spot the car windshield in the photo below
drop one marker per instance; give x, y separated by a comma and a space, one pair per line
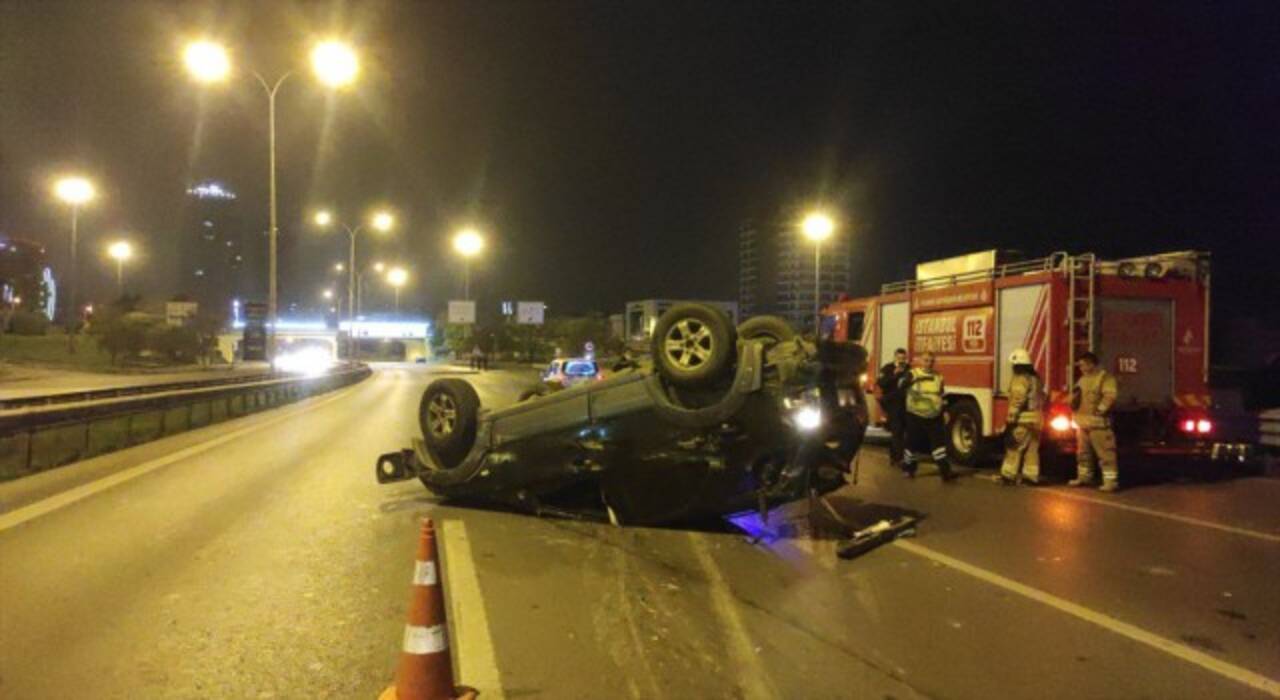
581, 368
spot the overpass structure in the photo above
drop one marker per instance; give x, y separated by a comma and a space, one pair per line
412, 334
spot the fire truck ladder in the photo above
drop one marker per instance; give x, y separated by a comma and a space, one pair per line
1080, 307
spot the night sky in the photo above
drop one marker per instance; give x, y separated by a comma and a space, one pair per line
611, 150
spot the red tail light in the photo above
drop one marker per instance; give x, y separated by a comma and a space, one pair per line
1196, 426
1061, 423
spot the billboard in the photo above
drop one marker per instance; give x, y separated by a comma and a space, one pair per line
177, 313
463, 312
530, 312
254, 345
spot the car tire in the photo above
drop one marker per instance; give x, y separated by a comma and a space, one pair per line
771, 329
693, 345
964, 433
447, 416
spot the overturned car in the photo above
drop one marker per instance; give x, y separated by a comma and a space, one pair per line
722, 420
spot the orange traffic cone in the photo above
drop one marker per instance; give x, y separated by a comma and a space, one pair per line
425, 671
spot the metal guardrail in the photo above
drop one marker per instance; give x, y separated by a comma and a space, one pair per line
38, 437
133, 390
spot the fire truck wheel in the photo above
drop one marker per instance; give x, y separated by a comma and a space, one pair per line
964, 433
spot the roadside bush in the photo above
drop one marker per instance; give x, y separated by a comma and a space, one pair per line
122, 335
28, 323
178, 344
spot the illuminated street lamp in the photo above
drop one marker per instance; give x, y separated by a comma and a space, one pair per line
396, 277
74, 191
120, 251
334, 63
817, 227
339, 267
468, 243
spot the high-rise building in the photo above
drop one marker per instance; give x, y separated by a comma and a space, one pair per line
216, 250
776, 271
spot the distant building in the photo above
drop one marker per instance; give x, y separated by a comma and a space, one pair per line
217, 251
776, 271
642, 316
26, 281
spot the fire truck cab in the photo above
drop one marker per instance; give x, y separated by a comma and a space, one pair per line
1146, 318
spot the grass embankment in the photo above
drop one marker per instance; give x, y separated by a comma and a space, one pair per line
52, 351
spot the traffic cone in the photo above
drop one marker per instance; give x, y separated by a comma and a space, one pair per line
425, 671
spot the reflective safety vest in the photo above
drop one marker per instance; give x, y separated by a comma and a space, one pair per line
924, 395
1025, 399
1093, 398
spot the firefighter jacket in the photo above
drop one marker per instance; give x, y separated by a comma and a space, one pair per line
1092, 399
924, 393
1025, 400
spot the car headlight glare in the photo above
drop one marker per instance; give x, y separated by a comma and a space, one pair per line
807, 418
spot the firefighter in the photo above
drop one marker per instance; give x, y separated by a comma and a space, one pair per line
925, 422
892, 400
1091, 402
1022, 426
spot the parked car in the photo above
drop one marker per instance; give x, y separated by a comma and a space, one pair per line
722, 420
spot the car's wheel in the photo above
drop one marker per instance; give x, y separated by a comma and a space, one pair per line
693, 344
771, 329
964, 433
447, 416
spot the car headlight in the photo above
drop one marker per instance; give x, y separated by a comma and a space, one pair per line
807, 418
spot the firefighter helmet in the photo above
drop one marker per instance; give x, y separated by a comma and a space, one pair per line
1020, 357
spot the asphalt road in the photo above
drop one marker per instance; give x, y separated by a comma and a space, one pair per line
259, 559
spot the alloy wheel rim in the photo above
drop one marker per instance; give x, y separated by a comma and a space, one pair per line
442, 415
688, 344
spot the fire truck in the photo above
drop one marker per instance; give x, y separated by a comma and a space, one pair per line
1146, 318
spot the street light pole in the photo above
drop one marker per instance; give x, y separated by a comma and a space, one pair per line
75, 269
817, 288
817, 227
466, 279
274, 231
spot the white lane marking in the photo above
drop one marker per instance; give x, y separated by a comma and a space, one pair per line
1257, 534
32, 511
475, 660
755, 681
1124, 629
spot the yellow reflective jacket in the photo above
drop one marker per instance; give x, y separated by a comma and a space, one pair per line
1092, 399
1025, 400
924, 395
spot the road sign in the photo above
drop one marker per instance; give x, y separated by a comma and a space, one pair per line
530, 312
590, 347
463, 312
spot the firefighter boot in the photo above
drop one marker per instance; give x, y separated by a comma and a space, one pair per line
1109, 486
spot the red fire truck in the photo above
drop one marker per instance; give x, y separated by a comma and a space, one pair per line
1146, 318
